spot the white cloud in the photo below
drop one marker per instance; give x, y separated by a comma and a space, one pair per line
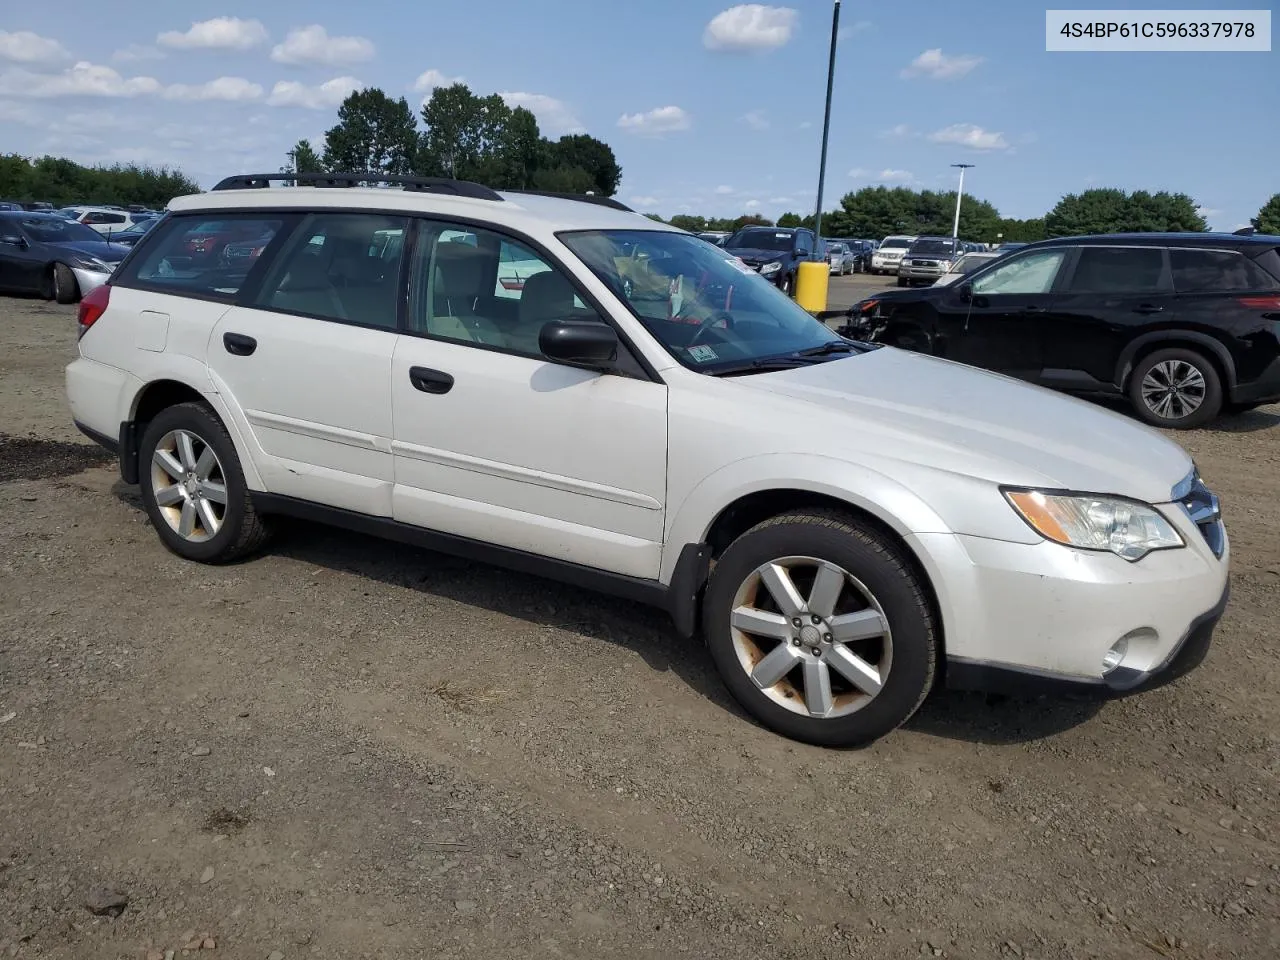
858, 173
82, 80
936, 65
752, 205
27, 47
644, 201
971, 136
290, 93
750, 26
655, 122
806, 124
235, 89
220, 33
858, 26
430, 79
783, 201
555, 116
723, 190
136, 52
756, 120
895, 133
314, 45
889, 175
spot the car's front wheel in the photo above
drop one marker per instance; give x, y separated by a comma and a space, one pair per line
193, 488
821, 629
1176, 388
63, 287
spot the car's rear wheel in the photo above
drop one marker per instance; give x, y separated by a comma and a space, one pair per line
1176, 388
821, 629
63, 286
902, 281
193, 488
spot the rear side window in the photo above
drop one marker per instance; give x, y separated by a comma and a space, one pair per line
1119, 270
339, 266
195, 256
1217, 271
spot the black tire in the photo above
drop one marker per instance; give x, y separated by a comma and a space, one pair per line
63, 286
902, 281
1210, 395
788, 285
242, 531
875, 562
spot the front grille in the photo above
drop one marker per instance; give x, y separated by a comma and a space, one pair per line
1202, 506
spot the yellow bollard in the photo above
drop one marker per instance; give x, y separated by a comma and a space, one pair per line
811, 285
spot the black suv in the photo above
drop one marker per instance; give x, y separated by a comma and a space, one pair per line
774, 252
1184, 325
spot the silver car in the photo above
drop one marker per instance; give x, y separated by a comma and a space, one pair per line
928, 259
840, 258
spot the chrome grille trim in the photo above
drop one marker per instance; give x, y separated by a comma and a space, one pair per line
1203, 508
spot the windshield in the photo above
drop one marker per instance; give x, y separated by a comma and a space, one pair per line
57, 230
709, 310
762, 238
895, 243
835, 247
934, 247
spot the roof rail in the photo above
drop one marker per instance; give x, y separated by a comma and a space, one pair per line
580, 197
457, 188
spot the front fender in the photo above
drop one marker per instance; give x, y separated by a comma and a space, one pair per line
861, 487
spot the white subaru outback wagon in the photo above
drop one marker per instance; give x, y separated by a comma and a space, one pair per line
564, 387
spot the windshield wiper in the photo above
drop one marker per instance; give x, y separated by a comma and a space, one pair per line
762, 365
831, 346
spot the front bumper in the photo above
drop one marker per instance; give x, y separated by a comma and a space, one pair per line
890, 266
89, 280
1030, 618
921, 273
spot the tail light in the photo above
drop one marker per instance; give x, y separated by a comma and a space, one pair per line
1269, 304
92, 306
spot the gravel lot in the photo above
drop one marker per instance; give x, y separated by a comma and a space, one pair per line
346, 748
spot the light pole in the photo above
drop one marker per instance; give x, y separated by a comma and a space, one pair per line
826, 123
955, 229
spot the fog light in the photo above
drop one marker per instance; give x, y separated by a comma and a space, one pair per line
1115, 656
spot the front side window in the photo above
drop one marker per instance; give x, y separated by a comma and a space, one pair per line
1030, 273
1217, 271
351, 274
478, 287
192, 255
702, 304
1119, 270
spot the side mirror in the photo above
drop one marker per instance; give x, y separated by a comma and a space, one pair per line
583, 343
14, 241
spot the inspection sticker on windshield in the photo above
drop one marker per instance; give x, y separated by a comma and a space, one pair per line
702, 353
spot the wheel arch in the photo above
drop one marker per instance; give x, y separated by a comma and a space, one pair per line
1212, 348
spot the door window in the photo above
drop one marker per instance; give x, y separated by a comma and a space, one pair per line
1028, 274
475, 286
1217, 271
1119, 270
195, 256
339, 266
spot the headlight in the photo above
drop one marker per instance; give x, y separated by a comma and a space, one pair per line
770, 268
1126, 528
92, 263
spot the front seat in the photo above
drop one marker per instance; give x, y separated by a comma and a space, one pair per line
306, 288
547, 296
459, 274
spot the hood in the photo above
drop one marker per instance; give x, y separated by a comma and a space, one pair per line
109, 252
757, 254
959, 419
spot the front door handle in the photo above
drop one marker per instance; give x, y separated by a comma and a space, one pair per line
1034, 310
239, 344
430, 381
1148, 308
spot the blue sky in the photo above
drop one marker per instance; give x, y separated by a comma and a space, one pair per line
710, 108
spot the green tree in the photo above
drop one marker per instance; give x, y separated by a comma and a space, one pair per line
1109, 210
1268, 218
790, 220
591, 155
686, 221
1019, 231
749, 220
373, 133
302, 159
60, 181
465, 135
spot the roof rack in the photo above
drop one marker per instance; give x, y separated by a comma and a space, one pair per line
580, 197
457, 188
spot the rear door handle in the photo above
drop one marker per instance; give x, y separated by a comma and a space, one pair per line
239, 344
1148, 308
430, 381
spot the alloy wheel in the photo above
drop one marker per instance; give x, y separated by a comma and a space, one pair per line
1173, 389
189, 485
811, 637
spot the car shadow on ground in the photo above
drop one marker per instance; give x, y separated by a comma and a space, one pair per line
646, 631
1248, 421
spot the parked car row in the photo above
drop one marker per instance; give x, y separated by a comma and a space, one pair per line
1183, 326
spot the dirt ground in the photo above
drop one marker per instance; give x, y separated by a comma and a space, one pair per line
346, 748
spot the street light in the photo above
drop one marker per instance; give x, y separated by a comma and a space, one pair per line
955, 229
826, 122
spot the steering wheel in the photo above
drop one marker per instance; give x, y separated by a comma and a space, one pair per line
705, 325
